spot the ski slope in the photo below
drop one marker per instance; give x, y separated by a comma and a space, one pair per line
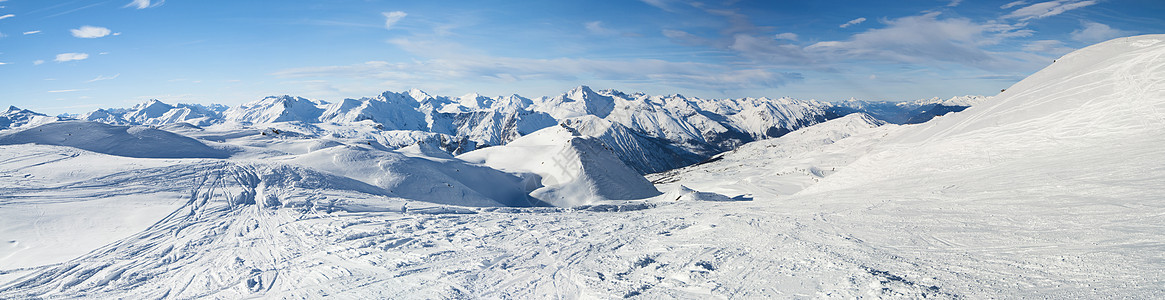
1052, 189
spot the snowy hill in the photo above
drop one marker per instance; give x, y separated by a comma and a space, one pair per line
570, 169
422, 178
127, 141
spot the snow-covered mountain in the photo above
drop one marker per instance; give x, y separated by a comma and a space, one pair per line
15, 117
570, 169
650, 133
1052, 189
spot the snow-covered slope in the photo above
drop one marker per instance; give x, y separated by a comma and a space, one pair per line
1051, 189
782, 166
570, 169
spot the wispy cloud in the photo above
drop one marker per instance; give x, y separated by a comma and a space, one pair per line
596, 27
661, 4
63, 57
67, 91
786, 36
925, 39
91, 32
444, 62
1095, 32
954, 3
144, 4
31, 32
38, 62
391, 18
102, 77
1013, 4
852, 22
3, 63
1046, 9
7, 16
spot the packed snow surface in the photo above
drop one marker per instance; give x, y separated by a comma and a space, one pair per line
1052, 189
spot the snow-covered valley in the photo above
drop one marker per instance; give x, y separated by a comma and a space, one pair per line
1055, 188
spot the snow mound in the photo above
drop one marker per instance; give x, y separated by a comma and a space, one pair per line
572, 169
442, 181
142, 142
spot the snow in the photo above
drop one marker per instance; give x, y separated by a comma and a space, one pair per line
1051, 189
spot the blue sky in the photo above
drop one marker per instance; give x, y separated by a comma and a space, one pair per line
76, 56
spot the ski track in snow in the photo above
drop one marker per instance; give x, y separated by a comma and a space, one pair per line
1050, 190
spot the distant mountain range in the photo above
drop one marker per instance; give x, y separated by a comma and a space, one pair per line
649, 133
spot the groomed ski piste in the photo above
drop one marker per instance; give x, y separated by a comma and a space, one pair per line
1054, 188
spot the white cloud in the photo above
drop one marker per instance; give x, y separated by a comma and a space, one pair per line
63, 57
768, 50
91, 32
66, 91
661, 4
596, 27
685, 37
3, 63
925, 39
786, 36
1046, 9
954, 3
7, 16
852, 22
102, 77
31, 32
144, 4
1013, 4
38, 62
1095, 32
390, 18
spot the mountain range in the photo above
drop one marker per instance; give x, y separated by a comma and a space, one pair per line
649, 133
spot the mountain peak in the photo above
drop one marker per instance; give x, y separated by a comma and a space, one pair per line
580, 93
